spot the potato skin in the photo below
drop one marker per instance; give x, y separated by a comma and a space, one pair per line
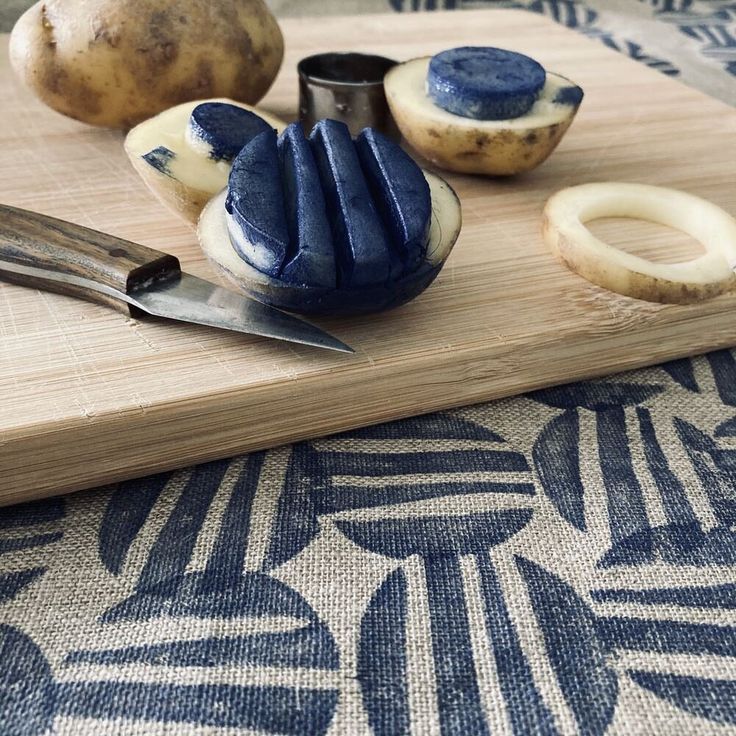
115, 63
499, 153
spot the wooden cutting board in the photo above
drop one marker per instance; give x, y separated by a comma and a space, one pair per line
88, 397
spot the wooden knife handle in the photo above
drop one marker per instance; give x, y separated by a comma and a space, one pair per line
62, 248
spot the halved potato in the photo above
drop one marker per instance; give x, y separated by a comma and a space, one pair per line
471, 146
444, 230
190, 177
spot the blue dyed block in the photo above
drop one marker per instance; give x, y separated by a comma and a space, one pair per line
160, 158
225, 128
400, 192
363, 252
255, 204
484, 83
311, 256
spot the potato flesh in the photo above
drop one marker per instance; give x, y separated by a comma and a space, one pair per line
192, 176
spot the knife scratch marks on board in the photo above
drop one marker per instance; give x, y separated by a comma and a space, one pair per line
140, 402
78, 361
135, 325
220, 361
449, 272
99, 151
290, 373
8, 312
223, 364
618, 137
86, 412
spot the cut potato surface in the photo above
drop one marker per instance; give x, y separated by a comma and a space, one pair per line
190, 176
400, 192
567, 211
256, 218
467, 145
363, 252
444, 230
312, 255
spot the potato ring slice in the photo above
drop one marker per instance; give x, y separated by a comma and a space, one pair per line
708, 275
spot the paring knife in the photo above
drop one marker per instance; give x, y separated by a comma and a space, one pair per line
54, 255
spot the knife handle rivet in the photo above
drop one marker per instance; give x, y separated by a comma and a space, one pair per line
118, 253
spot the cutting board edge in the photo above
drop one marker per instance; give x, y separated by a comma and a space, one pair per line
29, 485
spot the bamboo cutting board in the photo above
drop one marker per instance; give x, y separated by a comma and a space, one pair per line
88, 397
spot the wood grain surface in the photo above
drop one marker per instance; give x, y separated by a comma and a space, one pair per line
89, 397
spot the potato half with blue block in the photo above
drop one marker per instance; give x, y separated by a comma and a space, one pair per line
342, 227
502, 121
185, 153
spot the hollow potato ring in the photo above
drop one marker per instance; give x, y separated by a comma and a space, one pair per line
706, 276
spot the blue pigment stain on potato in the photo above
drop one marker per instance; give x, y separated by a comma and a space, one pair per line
310, 256
256, 216
571, 96
401, 194
484, 83
363, 252
160, 158
224, 128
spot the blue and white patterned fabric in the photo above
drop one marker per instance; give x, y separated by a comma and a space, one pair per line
558, 563
563, 562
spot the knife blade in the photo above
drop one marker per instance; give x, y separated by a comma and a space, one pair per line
54, 255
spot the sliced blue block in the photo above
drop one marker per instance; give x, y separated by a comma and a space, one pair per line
221, 130
256, 217
311, 257
363, 252
484, 83
400, 192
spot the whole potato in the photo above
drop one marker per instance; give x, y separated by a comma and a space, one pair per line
117, 62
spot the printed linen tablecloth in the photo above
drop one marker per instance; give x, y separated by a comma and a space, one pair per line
562, 562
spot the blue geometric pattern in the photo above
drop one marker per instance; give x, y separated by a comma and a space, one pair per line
562, 562
528, 584
712, 24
